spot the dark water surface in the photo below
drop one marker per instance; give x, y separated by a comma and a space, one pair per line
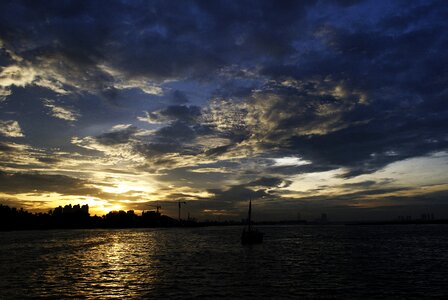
294, 262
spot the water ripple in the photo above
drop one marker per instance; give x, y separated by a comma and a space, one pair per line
318, 262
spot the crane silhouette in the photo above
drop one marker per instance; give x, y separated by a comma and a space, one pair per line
157, 206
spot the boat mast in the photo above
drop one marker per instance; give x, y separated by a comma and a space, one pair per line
180, 203
249, 219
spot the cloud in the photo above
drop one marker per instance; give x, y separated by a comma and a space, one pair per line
78, 57
182, 113
270, 182
118, 135
15, 75
261, 188
178, 97
36, 182
22, 73
289, 161
61, 112
237, 193
4, 93
243, 96
120, 82
101, 53
10, 128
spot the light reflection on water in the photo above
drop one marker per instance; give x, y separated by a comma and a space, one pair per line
293, 262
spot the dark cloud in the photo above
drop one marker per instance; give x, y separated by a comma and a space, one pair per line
386, 75
256, 189
119, 136
214, 81
48, 160
217, 150
41, 183
175, 40
180, 113
270, 182
178, 131
6, 148
362, 184
368, 147
237, 193
178, 97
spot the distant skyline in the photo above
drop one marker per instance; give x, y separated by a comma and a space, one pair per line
310, 107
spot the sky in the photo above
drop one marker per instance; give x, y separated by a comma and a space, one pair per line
305, 107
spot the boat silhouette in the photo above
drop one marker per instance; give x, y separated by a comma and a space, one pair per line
250, 235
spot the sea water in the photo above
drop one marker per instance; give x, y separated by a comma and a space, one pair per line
293, 262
